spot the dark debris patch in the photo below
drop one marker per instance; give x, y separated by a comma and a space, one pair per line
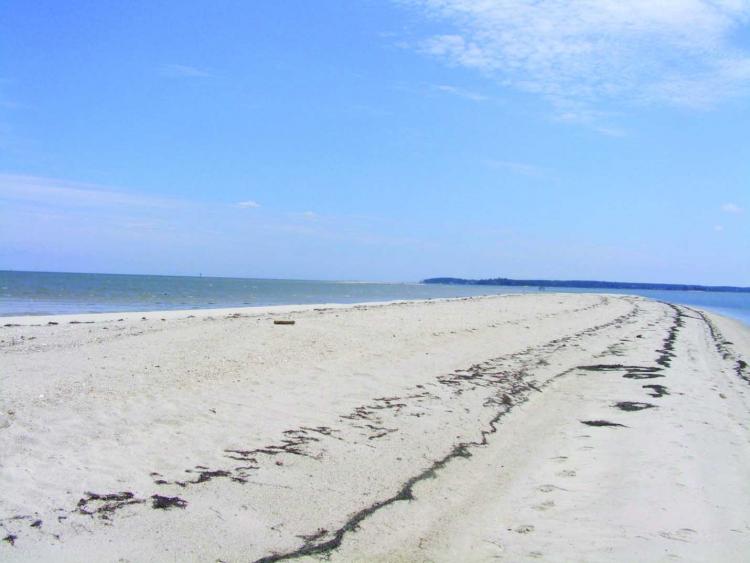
109, 503
633, 406
619, 367
11, 539
631, 372
204, 476
741, 369
242, 455
165, 503
657, 390
602, 423
295, 443
652, 374
605, 367
321, 533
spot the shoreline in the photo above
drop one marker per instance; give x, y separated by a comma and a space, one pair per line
739, 313
485, 426
245, 310
253, 310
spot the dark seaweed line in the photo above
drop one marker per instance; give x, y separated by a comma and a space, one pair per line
113, 502
475, 375
664, 358
667, 351
722, 347
460, 450
406, 493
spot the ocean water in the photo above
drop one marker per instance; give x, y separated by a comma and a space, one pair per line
729, 304
42, 293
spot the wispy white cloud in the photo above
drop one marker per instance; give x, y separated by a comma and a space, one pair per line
184, 71
306, 216
718, 228
516, 167
249, 204
55, 224
581, 52
732, 208
461, 93
52, 191
576, 113
610, 131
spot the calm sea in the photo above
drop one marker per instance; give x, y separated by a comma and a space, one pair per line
41, 293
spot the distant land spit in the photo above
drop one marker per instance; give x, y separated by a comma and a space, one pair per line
587, 284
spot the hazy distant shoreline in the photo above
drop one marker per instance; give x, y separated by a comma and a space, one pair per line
587, 284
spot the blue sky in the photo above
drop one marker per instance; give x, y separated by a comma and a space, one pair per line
378, 140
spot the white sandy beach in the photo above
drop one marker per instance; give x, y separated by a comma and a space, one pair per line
550, 427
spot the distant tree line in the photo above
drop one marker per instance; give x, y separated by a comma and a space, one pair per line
586, 284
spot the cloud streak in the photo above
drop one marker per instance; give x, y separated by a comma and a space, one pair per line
51, 191
520, 168
183, 71
582, 52
732, 208
40, 214
461, 93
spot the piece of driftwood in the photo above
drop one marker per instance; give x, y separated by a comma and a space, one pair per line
283, 322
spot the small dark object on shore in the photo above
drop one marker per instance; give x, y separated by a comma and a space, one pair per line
283, 322
165, 503
602, 423
11, 539
110, 503
657, 390
52, 323
642, 375
632, 406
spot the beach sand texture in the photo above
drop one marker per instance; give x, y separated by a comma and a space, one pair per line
550, 427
